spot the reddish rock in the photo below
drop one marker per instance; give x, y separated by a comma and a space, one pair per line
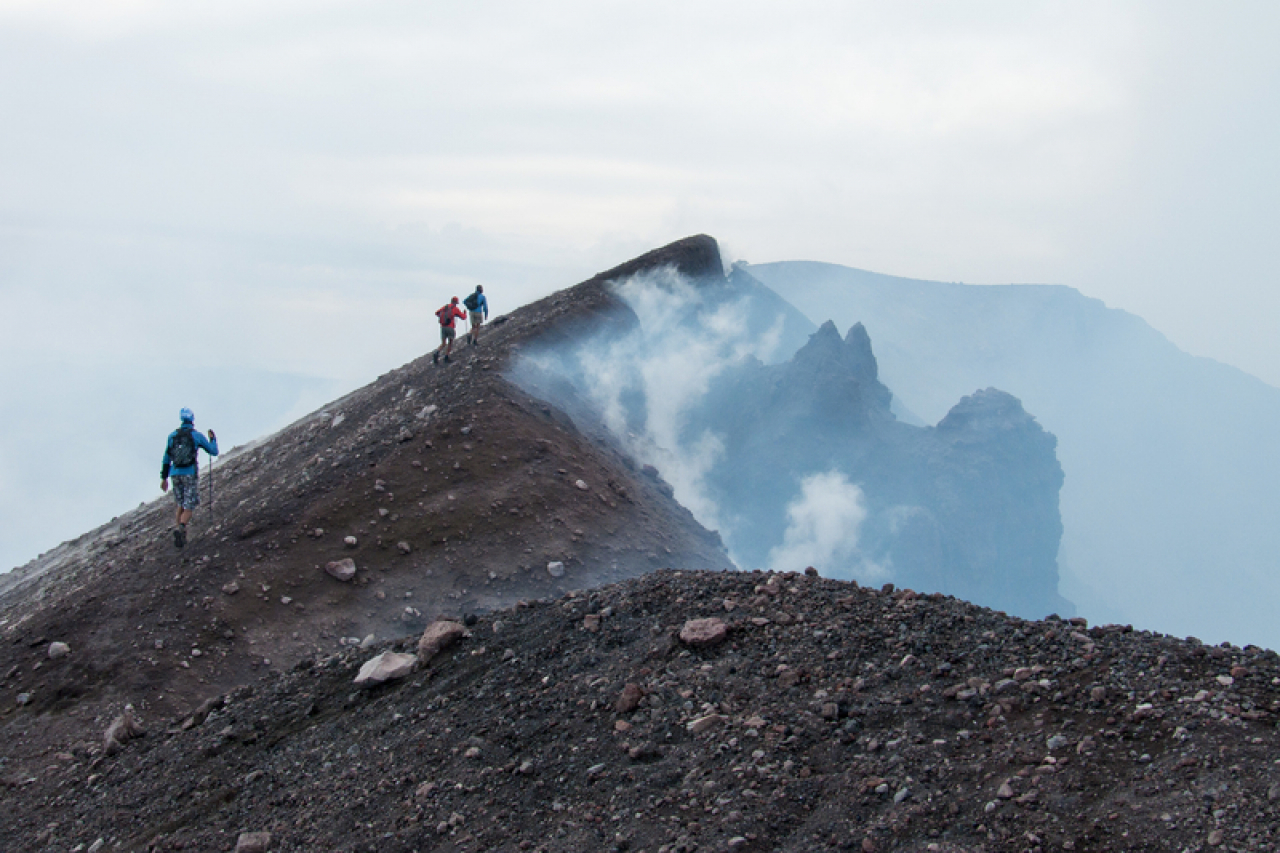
704, 632
629, 698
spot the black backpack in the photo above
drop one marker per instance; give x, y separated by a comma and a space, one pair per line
472, 302
182, 449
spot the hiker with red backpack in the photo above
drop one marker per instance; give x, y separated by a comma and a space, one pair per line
447, 317
180, 463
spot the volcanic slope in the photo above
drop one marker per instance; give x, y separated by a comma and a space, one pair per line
459, 491
828, 717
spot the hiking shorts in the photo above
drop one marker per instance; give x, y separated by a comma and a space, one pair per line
447, 333
477, 319
186, 490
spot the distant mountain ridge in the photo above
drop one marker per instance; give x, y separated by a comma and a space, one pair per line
1171, 461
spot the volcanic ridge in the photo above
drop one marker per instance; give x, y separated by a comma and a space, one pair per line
592, 674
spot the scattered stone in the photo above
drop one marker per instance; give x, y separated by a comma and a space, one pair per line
343, 570
438, 636
404, 547
350, 541
253, 842
387, 666
1216, 837
591, 622
704, 632
702, 724
582, 485
58, 650
23, 699
1005, 791
122, 729
629, 698
555, 569
230, 588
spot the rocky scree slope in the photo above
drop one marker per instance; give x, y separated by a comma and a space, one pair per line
820, 716
457, 489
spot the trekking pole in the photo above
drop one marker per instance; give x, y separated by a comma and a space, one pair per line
211, 515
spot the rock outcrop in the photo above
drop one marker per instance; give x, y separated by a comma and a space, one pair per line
969, 507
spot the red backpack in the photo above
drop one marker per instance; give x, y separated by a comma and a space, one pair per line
446, 315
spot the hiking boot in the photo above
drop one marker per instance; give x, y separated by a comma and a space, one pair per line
179, 537
447, 359
435, 357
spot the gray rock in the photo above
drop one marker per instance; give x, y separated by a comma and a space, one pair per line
253, 842
230, 588
703, 723
555, 569
122, 729
343, 570
350, 541
387, 666
58, 650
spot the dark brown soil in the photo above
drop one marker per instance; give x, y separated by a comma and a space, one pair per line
832, 717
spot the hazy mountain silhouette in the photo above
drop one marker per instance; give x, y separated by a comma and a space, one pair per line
1171, 461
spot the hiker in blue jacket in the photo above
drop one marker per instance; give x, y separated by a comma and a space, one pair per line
478, 311
180, 463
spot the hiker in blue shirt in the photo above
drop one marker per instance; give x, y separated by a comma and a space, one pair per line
478, 311
180, 463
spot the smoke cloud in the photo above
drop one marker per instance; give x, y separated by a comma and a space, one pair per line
642, 384
823, 526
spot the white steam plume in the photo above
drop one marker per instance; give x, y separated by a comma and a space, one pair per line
683, 341
823, 526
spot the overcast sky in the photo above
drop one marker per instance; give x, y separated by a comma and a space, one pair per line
288, 189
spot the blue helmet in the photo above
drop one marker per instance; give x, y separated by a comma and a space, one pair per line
188, 416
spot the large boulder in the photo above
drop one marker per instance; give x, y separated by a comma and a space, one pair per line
387, 666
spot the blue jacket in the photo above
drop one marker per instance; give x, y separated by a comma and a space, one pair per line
166, 465
482, 305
